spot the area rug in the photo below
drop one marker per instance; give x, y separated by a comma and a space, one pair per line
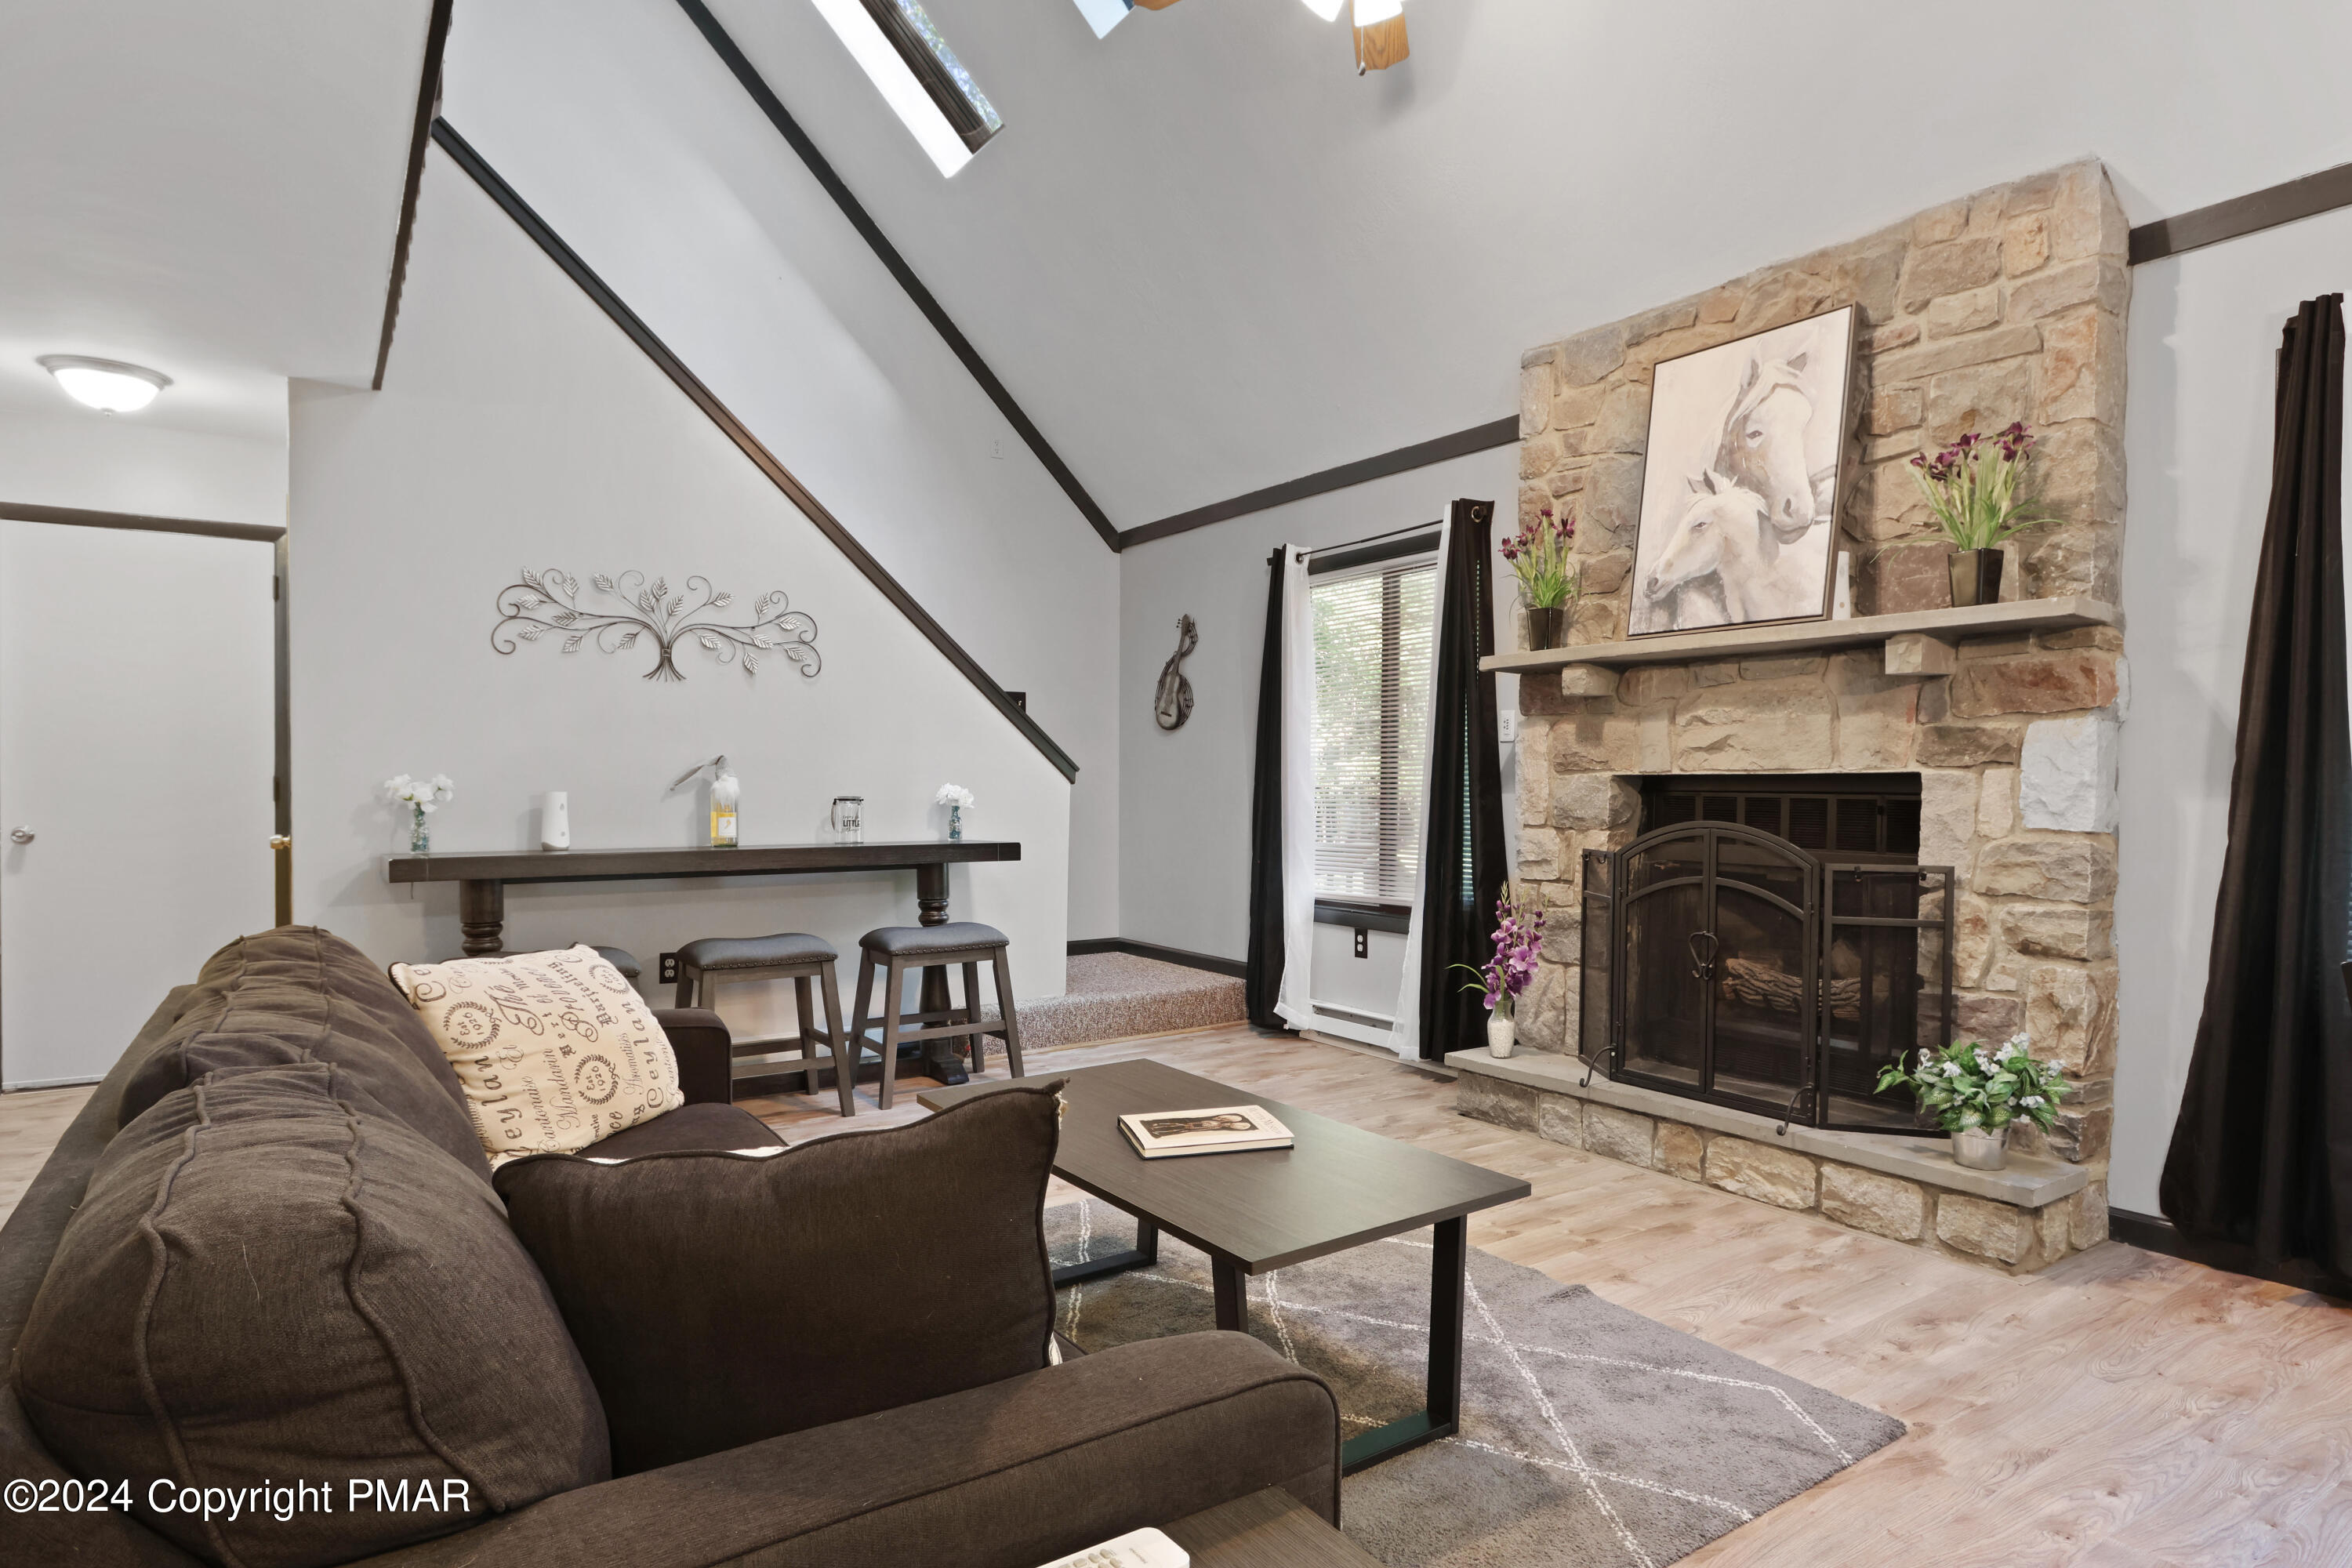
1591, 1435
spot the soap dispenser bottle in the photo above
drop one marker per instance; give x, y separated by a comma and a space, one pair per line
725, 793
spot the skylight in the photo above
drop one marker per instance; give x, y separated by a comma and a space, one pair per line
902, 52
1102, 15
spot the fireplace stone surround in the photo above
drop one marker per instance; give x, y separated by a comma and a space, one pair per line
2005, 304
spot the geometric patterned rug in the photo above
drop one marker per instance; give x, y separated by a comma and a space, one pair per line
1591, 1435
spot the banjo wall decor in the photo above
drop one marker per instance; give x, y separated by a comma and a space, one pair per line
547, 604
1172, 704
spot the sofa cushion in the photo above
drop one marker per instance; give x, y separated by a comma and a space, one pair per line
301, 995
710, 1294
1005, 1476
263, 1284
554, 1051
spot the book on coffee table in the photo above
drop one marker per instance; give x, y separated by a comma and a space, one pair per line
1220, 1130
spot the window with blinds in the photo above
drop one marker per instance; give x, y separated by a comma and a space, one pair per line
1375, 633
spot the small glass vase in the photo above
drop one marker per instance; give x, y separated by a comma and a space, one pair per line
1546, 626
955, 823
420, 836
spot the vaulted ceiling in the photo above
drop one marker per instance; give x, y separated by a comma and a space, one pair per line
1206, 256
211, 190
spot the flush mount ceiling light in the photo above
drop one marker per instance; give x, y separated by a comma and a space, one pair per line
1380, 35
107, 386
900, 50
1379, 25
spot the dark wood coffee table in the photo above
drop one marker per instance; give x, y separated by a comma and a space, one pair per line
1339, 1186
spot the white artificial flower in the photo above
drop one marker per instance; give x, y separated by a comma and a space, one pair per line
2014, 1049
2031, 1100
952, 794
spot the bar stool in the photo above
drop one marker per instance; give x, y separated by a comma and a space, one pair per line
620, 958
787, 954
895, 949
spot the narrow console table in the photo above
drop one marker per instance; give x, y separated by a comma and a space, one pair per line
482, 877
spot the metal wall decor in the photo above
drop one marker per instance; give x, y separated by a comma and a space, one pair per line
1172, 703
545, 604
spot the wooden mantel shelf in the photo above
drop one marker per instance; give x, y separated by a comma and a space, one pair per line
1946, 626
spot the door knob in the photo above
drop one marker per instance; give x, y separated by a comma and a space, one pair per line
20, 836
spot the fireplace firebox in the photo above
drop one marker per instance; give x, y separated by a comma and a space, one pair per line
1769, 943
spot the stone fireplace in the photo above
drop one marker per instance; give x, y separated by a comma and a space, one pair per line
2001, 726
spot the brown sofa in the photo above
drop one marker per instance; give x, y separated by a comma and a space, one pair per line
292, 1127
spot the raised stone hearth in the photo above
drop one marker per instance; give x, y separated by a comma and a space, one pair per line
2008, 304
1905, 1189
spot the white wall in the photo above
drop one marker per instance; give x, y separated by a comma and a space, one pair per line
519, 428
1303, 267
75, 457
2204, 338
1184, 807
615, 121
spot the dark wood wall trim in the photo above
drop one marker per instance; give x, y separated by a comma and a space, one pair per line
77, 517
1233, 966
887, 254
428, 102
1461, 443
2306, 197
462, 152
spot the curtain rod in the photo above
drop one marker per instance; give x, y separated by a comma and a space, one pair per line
1372, 539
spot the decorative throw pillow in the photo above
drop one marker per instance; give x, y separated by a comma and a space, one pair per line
719, 1299
553, 1049
261, 1286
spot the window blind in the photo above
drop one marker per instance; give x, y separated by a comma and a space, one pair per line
1374, 637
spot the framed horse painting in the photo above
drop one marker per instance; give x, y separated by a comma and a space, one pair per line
1745, 461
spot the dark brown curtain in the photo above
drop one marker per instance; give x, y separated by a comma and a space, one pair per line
2261, 1156
1262, 980
1465, 870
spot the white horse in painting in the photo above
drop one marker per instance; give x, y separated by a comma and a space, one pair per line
1723, 534
1763, 449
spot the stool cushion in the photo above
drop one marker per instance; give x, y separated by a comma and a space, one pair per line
909, 940
620, 958
716, 952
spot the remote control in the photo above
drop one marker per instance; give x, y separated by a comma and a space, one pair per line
1136, 1548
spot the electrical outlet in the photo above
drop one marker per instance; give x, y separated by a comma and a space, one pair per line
669, 969
1363, 942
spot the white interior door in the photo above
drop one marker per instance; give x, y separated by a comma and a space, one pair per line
137, 686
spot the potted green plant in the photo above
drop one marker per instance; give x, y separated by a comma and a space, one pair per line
1548, 586
1977, 1094
1975, 487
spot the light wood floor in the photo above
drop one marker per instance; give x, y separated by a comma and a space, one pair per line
2121, 1410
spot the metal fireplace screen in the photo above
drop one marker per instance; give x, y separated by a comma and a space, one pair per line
1729, 964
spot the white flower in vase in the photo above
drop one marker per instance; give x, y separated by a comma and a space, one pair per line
421, 796
955, 797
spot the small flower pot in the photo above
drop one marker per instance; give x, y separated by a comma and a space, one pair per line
1976, 577
1548, 627
1502, 1034
1974, 1149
